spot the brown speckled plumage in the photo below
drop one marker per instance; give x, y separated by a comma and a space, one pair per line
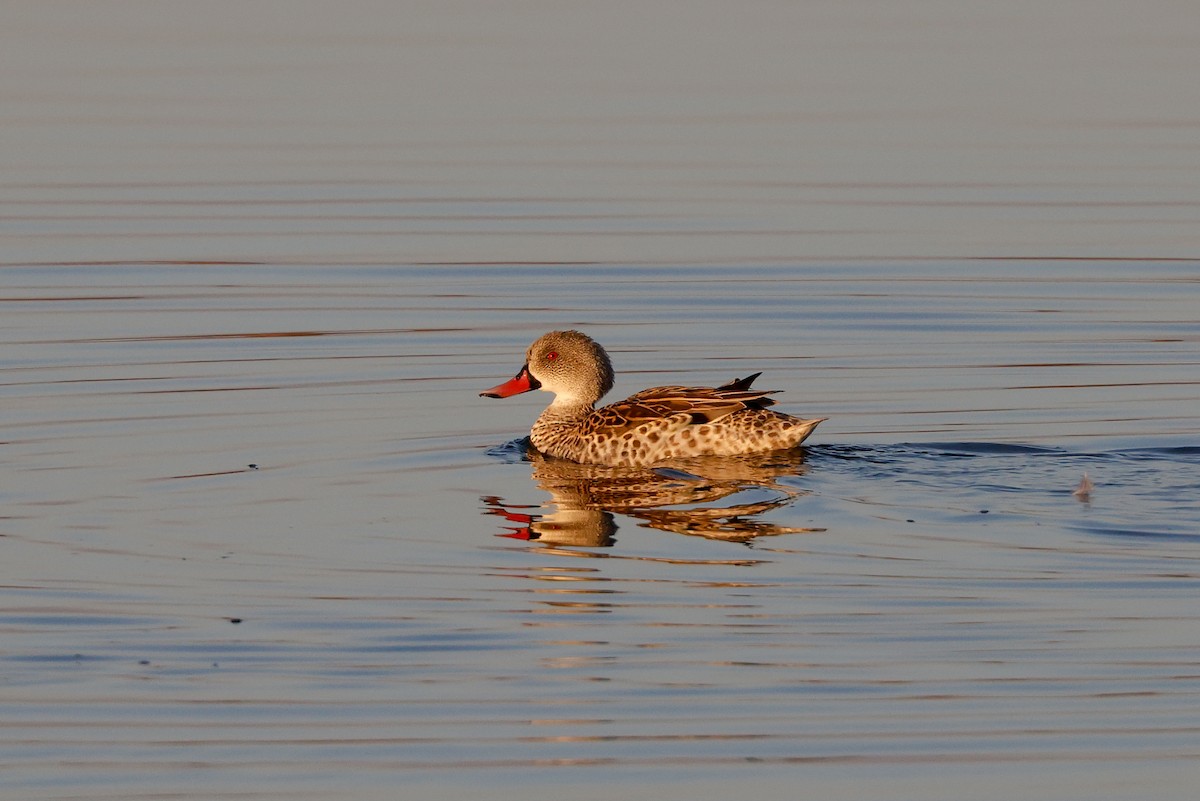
650, 427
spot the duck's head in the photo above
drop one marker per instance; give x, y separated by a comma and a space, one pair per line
570, 364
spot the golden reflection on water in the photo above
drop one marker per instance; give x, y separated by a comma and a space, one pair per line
680, 498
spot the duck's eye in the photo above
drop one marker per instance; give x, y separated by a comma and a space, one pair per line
551, 356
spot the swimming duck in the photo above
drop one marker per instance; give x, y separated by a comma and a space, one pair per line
650, 427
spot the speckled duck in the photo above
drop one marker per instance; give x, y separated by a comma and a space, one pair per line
651, 427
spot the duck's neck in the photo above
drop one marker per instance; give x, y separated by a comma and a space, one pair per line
566, 411
558, 429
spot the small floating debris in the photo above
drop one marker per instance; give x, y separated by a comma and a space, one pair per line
245, 469
1084, 491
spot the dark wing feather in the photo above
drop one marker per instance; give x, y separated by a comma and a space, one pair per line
701, 404
740, 383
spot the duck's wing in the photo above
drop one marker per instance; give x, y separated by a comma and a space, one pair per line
679, 406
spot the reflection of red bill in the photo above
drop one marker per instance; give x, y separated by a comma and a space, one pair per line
520, 534
522, 382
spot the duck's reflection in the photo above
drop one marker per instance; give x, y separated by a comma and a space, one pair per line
681, 498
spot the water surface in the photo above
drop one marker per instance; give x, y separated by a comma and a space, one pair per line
262, 539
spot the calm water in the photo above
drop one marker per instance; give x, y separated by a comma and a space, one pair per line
261, 538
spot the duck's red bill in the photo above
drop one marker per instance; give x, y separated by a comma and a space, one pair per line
522, 382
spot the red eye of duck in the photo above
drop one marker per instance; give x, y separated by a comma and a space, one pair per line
551, 356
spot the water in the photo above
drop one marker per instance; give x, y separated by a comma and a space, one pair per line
262, 539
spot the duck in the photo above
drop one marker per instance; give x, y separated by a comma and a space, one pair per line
651, 427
